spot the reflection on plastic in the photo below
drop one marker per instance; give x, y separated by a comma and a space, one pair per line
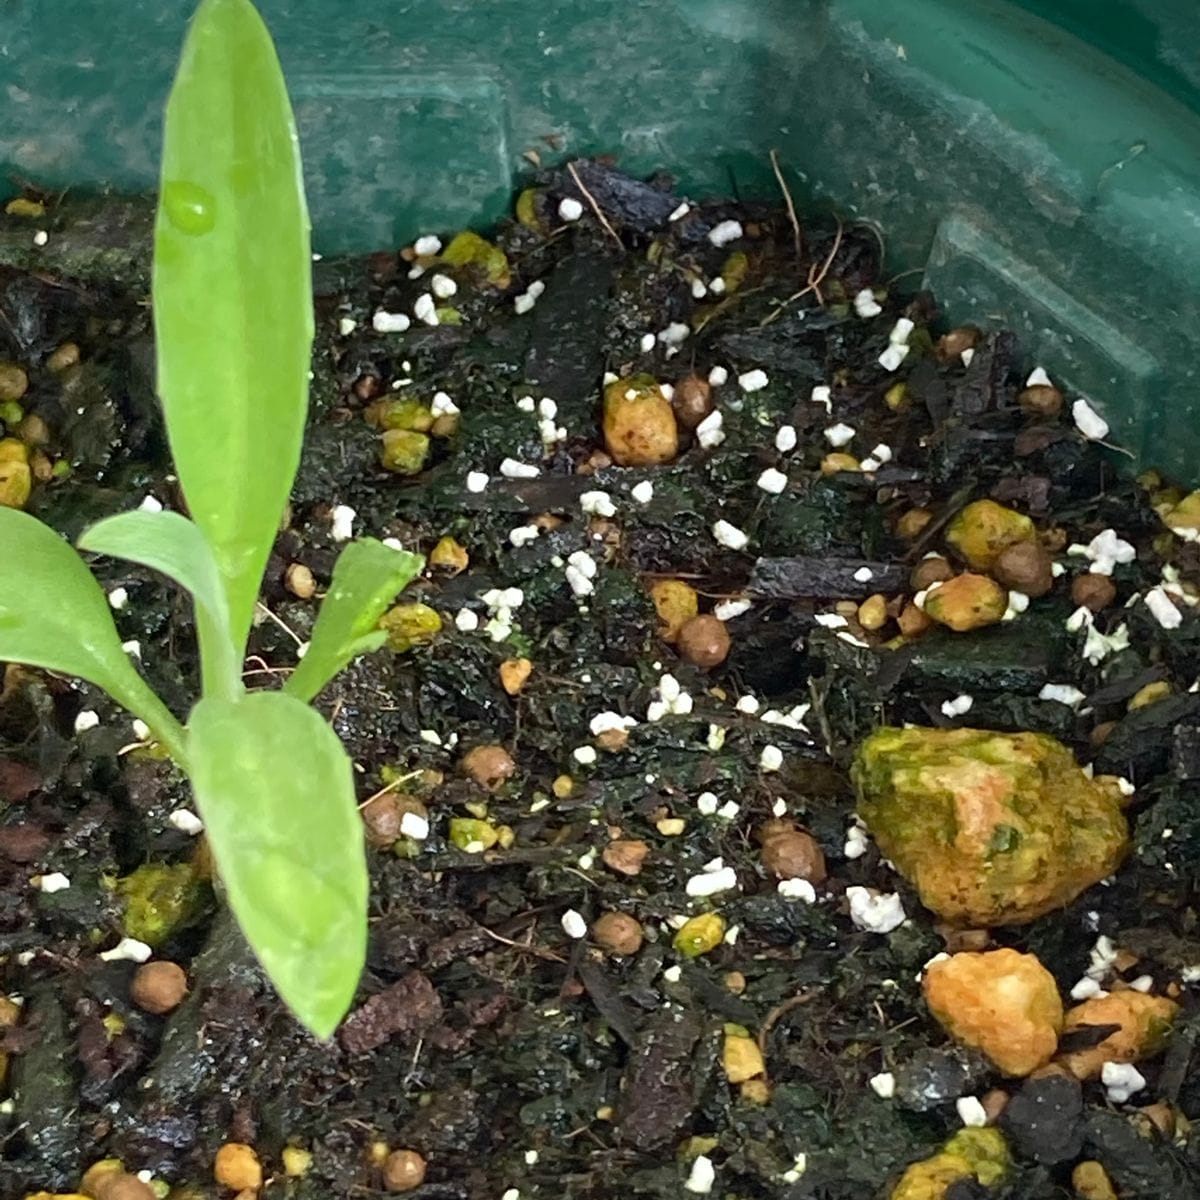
795, 30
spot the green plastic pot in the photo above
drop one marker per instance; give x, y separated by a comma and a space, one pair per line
1037, 162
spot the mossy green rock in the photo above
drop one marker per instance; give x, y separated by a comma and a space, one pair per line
979, 1154
160, 899
991, 828
403, 451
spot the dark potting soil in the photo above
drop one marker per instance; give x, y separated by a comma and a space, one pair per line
520, 1061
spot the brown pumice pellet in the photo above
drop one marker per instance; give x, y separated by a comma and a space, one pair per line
1093, 591
618, 933
1025, 567
704, 641
159, 987
403, 1170
692, 400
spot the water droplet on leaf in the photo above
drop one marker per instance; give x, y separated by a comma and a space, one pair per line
192, 209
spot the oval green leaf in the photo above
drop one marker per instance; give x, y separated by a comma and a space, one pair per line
276, 792
366, 578
54, 615
232, 292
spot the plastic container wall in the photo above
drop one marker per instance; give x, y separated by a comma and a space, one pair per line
1042, 174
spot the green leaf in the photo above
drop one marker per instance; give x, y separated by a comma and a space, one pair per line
276, 792
54, 615
170, 543
366, 578
233, 292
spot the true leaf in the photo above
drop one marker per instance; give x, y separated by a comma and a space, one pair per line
170, 543
275, 790
366, 578
54, 615
232, 292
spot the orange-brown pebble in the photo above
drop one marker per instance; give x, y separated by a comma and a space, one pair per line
994, 1103
159, 987
300, 582
16, 476
967, 602
912, 621
613, 741
40, 466
1143, 1025
790, 853
625, 855
1090, 1181
444, 426
912, 523
838, 461
704, 641
618, 933
1041, 400
403, 1170
1001, 1002
735, 982
741, 1057
514, 674
1152, 693
981, 530
237, 1167
676, 603
596, 461
33, 430
14, 382
367, 387
66, 356
640, 429
1054, 538
1093, 591
872, 613
121, 1185
97, 1174
951, 345
489, 766
449, 556
1162, 1116
963, 939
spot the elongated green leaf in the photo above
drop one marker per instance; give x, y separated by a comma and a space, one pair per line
366, 578
166, 542
233, 292
276, 793
170, 543
54, 615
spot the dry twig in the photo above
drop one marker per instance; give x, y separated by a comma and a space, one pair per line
280, 622
775, 1015
816, 276
797, 238
595, 207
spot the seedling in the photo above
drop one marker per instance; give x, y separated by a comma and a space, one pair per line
234, 327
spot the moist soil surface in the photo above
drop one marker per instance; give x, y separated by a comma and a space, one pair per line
517, 1059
